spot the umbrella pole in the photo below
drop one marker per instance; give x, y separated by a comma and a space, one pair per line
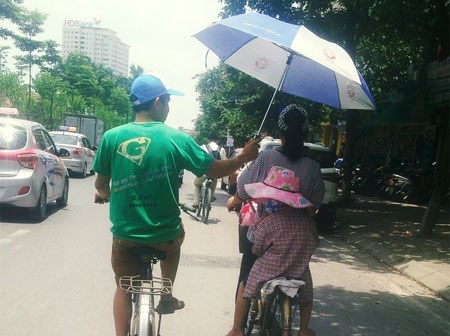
288, 62
267, 111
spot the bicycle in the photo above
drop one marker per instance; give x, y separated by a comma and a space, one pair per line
273, 312
190, 211
143, 289
204, 202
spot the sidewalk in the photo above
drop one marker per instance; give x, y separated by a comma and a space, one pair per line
386, 230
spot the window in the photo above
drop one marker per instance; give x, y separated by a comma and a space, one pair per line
12, 137
44, 141
39, 137
49, 145
86, 143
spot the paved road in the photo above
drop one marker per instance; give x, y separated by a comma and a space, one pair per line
55, 279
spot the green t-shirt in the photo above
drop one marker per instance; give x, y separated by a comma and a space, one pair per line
144, 160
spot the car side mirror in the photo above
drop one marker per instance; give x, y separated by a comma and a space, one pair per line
63, 152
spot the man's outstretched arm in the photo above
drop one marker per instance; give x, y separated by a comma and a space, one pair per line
221, 168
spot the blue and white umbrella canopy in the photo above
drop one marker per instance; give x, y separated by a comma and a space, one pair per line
289, 58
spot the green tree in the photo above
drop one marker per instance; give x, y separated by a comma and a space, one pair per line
232, 100
50, 61
94, 89
31, 25
225, 97
48, 87
12, 91
3, 56
135, 71
79, 73
120, 103
10, 10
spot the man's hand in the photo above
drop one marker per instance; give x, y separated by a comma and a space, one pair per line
102, 189
250, 151
101, 198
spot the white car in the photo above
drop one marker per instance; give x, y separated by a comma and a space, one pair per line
326, 215
32, 173
81, 153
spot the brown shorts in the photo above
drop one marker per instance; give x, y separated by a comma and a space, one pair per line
123, 263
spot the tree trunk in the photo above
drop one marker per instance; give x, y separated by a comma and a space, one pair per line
29, 86
441, 181
51, 112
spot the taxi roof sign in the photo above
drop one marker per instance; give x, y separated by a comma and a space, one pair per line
9, 111
67, 129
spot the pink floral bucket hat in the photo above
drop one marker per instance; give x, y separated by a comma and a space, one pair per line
281, 184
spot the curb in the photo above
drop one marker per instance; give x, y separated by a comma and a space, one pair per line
433, 275
429, 277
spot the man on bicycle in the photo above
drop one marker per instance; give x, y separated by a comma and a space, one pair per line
219, 153
137, 167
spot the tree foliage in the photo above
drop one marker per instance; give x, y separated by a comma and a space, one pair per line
30, 26
12, 91
238, 103
74, 85
10, 11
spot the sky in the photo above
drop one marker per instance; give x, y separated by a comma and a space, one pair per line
159, 33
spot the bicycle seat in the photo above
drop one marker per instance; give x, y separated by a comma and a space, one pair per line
147, 253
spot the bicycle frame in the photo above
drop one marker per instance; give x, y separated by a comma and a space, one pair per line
190, 211
143, 289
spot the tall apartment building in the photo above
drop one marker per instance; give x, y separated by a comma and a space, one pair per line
101, 45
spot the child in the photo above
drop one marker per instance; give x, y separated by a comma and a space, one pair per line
284, 238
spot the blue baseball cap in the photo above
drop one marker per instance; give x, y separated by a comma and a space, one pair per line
147, 87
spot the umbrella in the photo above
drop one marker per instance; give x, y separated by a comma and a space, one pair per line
290, 58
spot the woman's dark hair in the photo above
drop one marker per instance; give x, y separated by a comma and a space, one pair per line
291, 124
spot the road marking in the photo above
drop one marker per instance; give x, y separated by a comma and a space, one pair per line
12, 236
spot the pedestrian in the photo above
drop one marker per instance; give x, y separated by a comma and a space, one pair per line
219, 153
291, 155
137, 168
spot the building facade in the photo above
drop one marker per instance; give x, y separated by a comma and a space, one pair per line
101, 45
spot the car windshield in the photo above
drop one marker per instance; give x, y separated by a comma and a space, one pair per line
65, 139
12, 137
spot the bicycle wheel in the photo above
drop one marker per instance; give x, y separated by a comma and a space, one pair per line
282, 315
277, 315
251, 318
200, 201
143, 318
132, 323
206, 204
266, 316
